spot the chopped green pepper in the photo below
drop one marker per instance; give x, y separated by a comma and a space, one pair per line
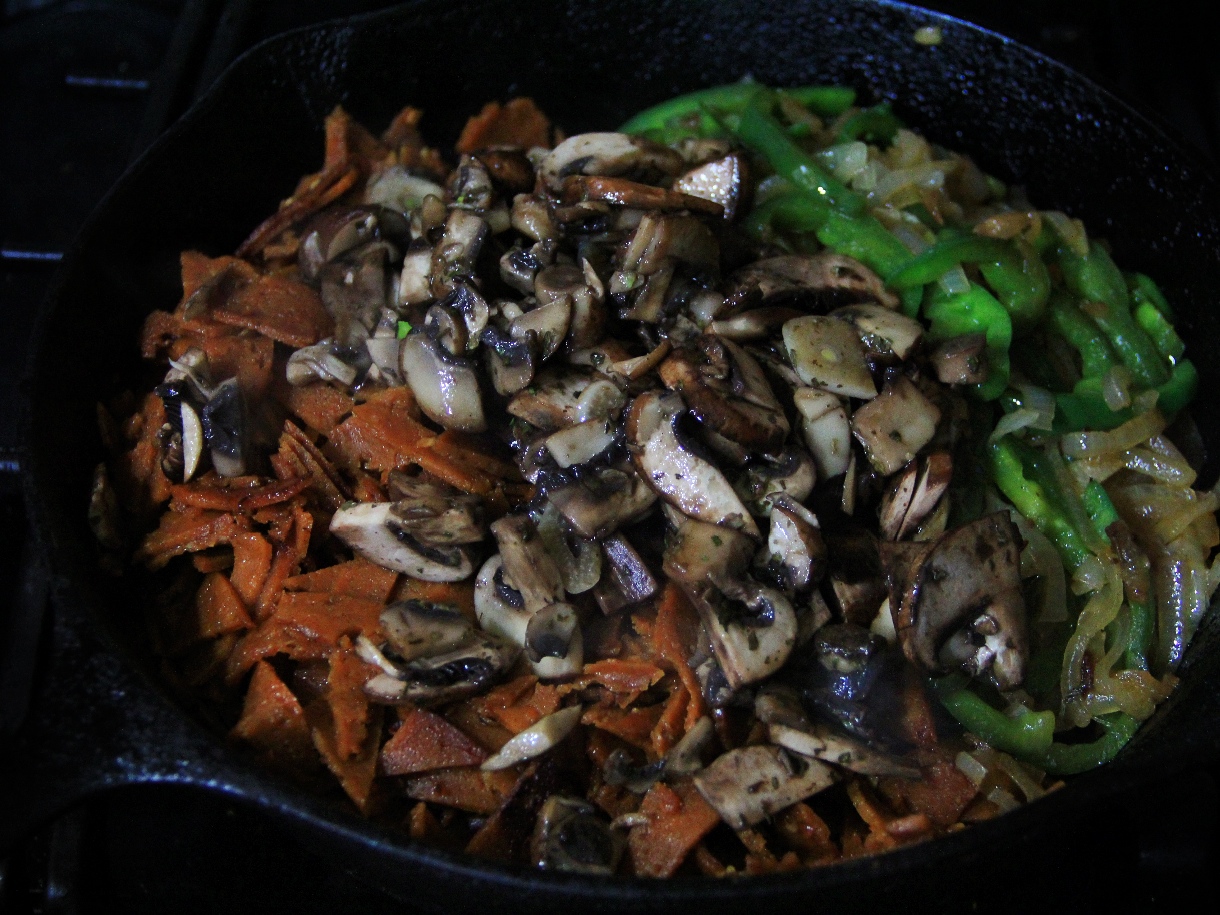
1101, 510
1012, 471
1029, 735
1072, 759
877, 124
1085, 408
1095, 278
1096, 356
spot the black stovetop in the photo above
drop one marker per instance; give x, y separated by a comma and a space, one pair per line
84, 87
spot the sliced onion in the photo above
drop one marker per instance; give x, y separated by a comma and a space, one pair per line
1018, 419
580, 570
1116, 387
955, 281
1070, 230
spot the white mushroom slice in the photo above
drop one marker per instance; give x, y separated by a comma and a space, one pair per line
582, 289
554, 633
914, 495
535, 740
501, 611
795, 545
385, 353
695, 550
370, 529
608, 154
415, 629
680, 476
553, 401
597, 506
758, 324
638, 366
528, 567
415, 281
601, 400
444, 677
791, 473
826, 430
752, 628
455, 254
581, 568
433, 513
827, 353
883, 330
318, 363
788, 726
722, 181
547, 325
895, 425
749, 784
581, 443
192, 441
447, 388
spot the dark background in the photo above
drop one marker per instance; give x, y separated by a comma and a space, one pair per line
84, 87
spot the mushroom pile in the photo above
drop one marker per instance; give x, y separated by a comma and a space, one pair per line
686, 564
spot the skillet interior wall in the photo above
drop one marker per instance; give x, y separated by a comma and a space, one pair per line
217, 175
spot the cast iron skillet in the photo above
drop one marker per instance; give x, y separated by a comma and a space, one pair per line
103, 719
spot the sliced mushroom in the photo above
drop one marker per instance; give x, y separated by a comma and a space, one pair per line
914, 494
815, 283
752, 628
788, 726
553, 401
579, 559
795, 551
895, 425
757, 324
749, 784
572, 836
455, 254
826, 428
356, 288
399, 190
827, 353
961, 360
527, 565
969, 582
501, 610
883, 331
626, 580
625, 193
666, 458
416, 629
791, 473
728, 391
532, 218
226, 429
597, 505
319, 362
608, 154
854, 569
585, 295
582, 443
545, 327
415, 280
511, 363
664, 237
465, 671
192, 441
470, 185
446, 388
695, 550
724, 181
433, 513
372, 530
334, 232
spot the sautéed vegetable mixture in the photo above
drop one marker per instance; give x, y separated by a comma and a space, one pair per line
755, 486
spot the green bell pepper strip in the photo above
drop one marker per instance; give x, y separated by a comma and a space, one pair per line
1095, 278
1072, 759
1101, 510
1096, 356
760, 132
783, 213
1085, 408
1017, 276
1139, 636
1012, 474
1028, 736
877, 124
1144, 289
1158, 328
971, 312
686, 115
825, 101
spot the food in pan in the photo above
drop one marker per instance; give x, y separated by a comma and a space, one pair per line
752, 487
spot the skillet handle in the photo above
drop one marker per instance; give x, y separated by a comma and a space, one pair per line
83, 720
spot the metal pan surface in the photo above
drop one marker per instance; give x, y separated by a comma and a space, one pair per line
103, 718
